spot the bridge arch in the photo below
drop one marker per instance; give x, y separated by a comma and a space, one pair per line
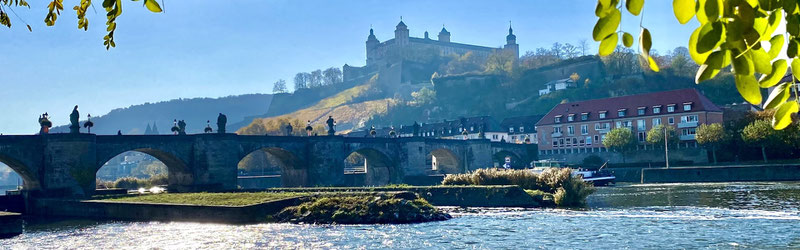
275, 163
444, 161
378, 168
179, 175
499, 159
29, 179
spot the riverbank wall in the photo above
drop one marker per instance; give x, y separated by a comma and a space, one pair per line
10, 224
721, 174
116, 210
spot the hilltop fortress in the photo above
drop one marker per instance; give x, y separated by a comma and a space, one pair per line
400, 61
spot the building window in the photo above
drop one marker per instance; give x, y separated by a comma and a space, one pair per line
688, 118
522, 129
596, 137
570, 130
585, 129
640, 111
670, 108
640, 124
556, 129
558, 119
584, 116
657, 110
687, 106
656, 121
511, 130
621, 112
561, 141
574, 141
555, 143
688, 131
641, 137
602, 115
671, 120
570, 118
588, 140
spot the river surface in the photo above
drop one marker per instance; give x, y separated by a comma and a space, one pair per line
663, 216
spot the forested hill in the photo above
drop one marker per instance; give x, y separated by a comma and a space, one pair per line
195, 111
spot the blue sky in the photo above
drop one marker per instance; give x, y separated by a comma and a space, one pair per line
220, 48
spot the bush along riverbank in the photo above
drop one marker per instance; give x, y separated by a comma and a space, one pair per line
380, 208
554, 184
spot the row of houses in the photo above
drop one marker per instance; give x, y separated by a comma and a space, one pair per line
576, 129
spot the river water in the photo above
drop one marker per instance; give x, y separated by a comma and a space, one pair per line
664, 216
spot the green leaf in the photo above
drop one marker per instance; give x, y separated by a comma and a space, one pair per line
606, 25
774, 21
776, 43
152, 5
604, 7
634, 6
791, 50
627, 39
716, 61
701, 12
778, 71
742, 64
710, 37
652, 63
608, 44
645, 41
783, 115
761, 61
796, 68
684, 10
748, 88
712, 9
778, 96
699, 58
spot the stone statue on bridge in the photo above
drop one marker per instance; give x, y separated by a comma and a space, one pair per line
221, 121
331, 126
75, 126
181, 127
44, 123
309, 128
289, 129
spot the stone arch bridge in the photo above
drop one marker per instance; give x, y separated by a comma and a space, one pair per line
65, 165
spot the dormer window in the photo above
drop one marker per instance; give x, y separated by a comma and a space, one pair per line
621, 112
687, 106
670, 108
511, 130
522, 129
558, 119
602, 114
641, 111
584, 116
571, 117
656, 109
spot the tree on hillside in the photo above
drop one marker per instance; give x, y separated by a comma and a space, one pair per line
583, 45
332, 76
501, 62
711, 136
424, 96
620, 140
113, 10
759, 133
279, 87
731, 33
316, 79
622, 61
301, 80
655, 136
462, 64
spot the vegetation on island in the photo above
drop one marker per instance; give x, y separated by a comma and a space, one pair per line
207, 199
558, 183
734, 36
402, 207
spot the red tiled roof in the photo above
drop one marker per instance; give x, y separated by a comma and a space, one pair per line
631, 103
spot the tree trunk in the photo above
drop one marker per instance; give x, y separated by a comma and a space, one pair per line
764, 153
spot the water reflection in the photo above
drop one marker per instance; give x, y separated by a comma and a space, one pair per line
758, 215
